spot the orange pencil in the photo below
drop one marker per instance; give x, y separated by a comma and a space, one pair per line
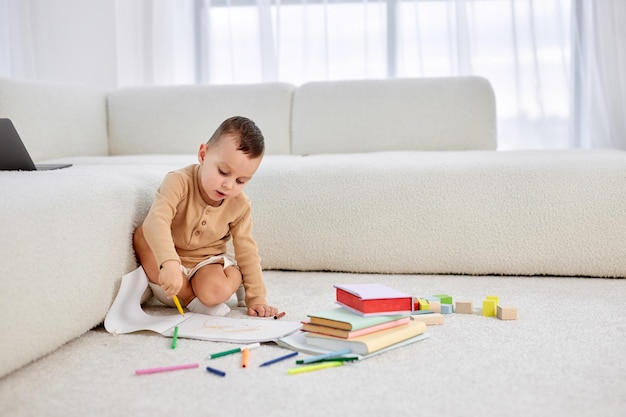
244, 357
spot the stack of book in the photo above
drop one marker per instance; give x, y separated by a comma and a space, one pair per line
371, 318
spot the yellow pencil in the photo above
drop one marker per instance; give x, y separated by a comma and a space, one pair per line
180, 309
314, 367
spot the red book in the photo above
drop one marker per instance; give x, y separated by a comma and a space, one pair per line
373, 299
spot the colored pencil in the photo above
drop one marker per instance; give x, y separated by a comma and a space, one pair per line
281, 358
178, 306
166, 368
175, 337
215, 371
245, 353
313, 367
235, 350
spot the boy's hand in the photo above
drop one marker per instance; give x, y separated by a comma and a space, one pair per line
261, 310
171, 278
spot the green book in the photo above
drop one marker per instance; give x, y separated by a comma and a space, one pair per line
340, 318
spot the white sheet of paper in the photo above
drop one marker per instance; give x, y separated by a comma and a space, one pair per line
127, 316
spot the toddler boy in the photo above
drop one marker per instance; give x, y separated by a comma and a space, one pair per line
182, 242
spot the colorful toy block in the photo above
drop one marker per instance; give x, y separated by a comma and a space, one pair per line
493, 297
435, 306
446, 309
429, 319
506, 313
464, 307
489, 307
444, 298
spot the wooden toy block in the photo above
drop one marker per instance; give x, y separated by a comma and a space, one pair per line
435, 306
464, 307
444, 298
416, 304
489, 308
494, 298
446, 309
424, 304
506, 313
429, 319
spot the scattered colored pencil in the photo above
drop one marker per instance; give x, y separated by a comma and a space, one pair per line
178, 306
175, 337
245, 353
313, 367
166, 368
339, 359
281, 358
215, 371
235, 350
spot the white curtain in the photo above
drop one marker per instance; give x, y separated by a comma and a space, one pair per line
155, 42
557, 66
16, 46
599, 103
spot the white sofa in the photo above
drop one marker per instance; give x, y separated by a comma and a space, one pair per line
388, 177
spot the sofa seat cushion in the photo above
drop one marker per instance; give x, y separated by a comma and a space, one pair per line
66, 241
469, 212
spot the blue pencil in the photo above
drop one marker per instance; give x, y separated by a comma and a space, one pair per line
215, 371
282, 358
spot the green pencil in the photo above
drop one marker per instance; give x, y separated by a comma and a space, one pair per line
175, 337
339, 359
236, 350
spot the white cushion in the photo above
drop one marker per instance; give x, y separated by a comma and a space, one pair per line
177, 119
56, 120
466, 212
456, 113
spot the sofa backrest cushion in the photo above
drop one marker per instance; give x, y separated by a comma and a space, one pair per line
453, 113
177, 119
56, 120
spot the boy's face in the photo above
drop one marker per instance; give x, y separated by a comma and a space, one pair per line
224, 171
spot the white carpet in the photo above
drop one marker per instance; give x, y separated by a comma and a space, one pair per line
562, 357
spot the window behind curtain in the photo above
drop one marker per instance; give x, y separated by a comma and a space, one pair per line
521, 46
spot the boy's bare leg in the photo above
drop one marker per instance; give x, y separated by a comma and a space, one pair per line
214, 285
148, 262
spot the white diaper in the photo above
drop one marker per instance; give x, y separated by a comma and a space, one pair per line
160, 293
228, 261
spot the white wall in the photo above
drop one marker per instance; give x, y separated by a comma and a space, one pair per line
87, 29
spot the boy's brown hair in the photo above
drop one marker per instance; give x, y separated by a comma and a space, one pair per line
251, 141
